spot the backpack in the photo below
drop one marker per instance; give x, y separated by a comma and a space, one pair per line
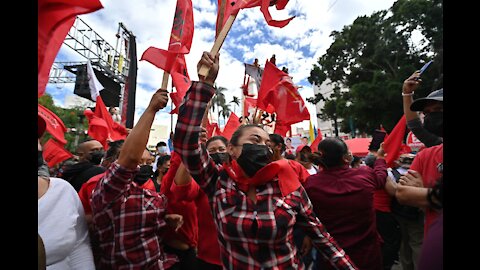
405, 211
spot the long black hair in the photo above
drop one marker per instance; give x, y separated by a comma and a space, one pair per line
332, 150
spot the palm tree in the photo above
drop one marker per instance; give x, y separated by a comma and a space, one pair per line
218, 101
236, 102
225, 112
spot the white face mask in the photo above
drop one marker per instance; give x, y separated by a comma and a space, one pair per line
162, 150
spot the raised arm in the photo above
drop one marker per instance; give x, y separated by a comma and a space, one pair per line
119, 175
195, 158
322, 240
413, 121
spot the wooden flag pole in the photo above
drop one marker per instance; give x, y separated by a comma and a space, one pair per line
165, 80
218, 43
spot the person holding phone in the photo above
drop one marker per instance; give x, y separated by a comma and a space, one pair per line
426, 132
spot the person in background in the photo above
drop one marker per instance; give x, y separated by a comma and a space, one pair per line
61, 221
255, 201
342, 197
162, 150
90, 155
304, 157
304, 140
163, 164
422, 131
409, 218
130, 221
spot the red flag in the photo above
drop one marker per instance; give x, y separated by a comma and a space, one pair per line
232, 124
55, 125
212, 129
281, 129
249, 105
222, 14
55, 18
182, 28
393, 144
176, 100
278, 90
316, 142
101, 126
54, 153
263, 4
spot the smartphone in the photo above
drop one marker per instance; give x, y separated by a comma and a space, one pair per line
377, 138
425, 66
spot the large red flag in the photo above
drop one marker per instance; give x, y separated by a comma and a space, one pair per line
101, 125
223, 12
278, 90
55, 125
232, 124
54, 152
55, 18
316, 142
393, 144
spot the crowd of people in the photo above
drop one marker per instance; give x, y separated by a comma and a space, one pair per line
251, 202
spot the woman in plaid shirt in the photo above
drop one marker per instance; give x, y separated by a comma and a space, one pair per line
255, 202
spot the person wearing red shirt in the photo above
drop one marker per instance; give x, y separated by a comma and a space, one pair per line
342, 198
255, 201
130, 221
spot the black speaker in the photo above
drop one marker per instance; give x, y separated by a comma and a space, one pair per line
111, 93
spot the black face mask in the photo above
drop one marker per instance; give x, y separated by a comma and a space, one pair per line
143, 175
40, 159
254, 157
96, 156
433, 122
219, 158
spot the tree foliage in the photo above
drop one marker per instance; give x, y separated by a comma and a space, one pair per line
373, 56
72, 118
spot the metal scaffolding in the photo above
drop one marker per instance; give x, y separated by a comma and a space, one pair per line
113, 62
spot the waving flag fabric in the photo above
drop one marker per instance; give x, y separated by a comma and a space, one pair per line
55, 18
55, 125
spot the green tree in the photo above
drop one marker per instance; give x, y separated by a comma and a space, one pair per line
225, 112
71, 118
373, 56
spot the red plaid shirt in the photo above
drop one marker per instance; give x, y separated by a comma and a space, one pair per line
129, 221
252, 235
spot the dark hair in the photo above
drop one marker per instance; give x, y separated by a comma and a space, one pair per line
305, 137
236, 135
162, 159
290, 156
332, 151
113, 150
161, 144
355, 159
215, 138
277, 139
288, 139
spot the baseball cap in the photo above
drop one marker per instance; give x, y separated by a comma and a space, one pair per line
303, 146
420, 103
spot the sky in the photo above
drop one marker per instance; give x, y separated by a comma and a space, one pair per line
296, 46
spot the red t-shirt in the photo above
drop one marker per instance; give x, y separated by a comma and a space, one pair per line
85, 192
381, 200
208, 246
426, 163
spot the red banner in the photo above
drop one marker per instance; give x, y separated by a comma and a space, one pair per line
54, 153
55, 125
